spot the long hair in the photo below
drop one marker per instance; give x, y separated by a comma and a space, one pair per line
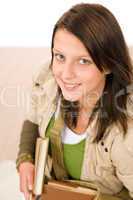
97, 28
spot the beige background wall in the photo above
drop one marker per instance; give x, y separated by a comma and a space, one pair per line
17, 65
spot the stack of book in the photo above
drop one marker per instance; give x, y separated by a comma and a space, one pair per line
61, 190
66, 191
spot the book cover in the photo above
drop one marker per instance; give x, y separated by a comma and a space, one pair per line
67, 190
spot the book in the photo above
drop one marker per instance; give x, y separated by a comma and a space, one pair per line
40, 164
66, 190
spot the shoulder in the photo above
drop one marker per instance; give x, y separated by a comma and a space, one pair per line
43, 94
41, 75
44, 82
126, 140
122, 157
123, 144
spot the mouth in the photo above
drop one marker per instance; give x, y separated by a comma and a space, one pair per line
70, 86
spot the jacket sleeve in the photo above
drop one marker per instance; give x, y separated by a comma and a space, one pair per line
30, 131
28, 137
122, 158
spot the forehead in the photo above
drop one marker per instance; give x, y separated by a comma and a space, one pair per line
66, 42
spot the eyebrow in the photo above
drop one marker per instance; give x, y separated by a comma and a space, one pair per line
77, 56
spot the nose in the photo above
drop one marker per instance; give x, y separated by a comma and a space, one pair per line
68, 71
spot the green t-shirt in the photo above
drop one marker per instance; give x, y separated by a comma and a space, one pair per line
73, 158
73, 155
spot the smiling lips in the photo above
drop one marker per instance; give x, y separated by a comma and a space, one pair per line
70, 86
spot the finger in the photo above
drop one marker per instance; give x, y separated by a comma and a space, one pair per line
23, 182
26, 190
31, 196
30, 180
24, 186
27, 196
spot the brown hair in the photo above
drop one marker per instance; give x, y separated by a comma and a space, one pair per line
99, 31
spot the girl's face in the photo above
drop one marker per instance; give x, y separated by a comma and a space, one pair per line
73, 68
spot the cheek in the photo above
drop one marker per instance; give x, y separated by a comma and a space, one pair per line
57, 74
92, 78
56, 71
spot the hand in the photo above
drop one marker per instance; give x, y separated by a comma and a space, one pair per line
26, 172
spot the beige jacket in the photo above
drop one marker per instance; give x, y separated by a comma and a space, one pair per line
110, 162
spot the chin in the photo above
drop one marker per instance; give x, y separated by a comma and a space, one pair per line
70, 98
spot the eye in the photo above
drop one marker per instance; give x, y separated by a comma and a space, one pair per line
84, 61
59, 57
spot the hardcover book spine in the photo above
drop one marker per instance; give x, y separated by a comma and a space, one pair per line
40, 164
